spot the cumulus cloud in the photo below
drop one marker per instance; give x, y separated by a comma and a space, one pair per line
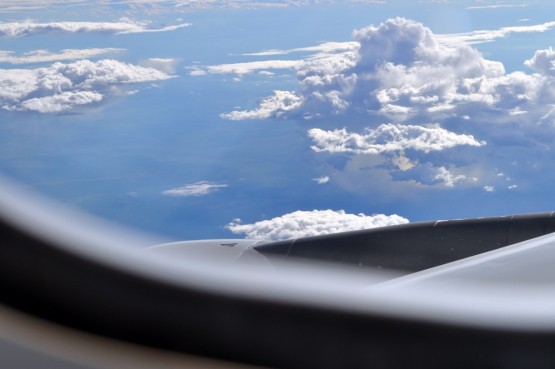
61, 102
444, 100
62, 87
312, 223
201, 188
542, 62
401, 71
273, 106
445, 176
124, 26
44, 56
389, 138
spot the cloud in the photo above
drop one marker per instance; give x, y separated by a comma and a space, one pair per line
322, 180
389, 138
244, 68
191, 5
481, 36
342, 52
399, 71
125, 26
158, 6
312, 223
422, 105
62, 87
273, 106
496, 6
324, 48
43, 56
167, 65
201, 188
61, 102
542, 62
324, 51
8, 6
445, 176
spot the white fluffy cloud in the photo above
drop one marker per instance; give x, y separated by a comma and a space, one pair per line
273, 106
542, 62
44, 56
61, 102
440, 93
445, 176
389, 138
62, 87
312, 223
125, 26
201, 188
402, 72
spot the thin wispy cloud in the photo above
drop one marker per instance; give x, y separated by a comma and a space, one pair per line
167, 65
496, 6
125, 26
481, 36
159, 6
45, 56
11, 6
329, 53
197, 189
244, 68
326, 47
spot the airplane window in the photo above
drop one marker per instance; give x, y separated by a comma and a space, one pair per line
276, 120
249, 146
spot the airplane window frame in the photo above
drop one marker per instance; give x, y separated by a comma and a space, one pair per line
42, 277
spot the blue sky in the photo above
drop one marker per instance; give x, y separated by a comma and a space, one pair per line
274, 119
